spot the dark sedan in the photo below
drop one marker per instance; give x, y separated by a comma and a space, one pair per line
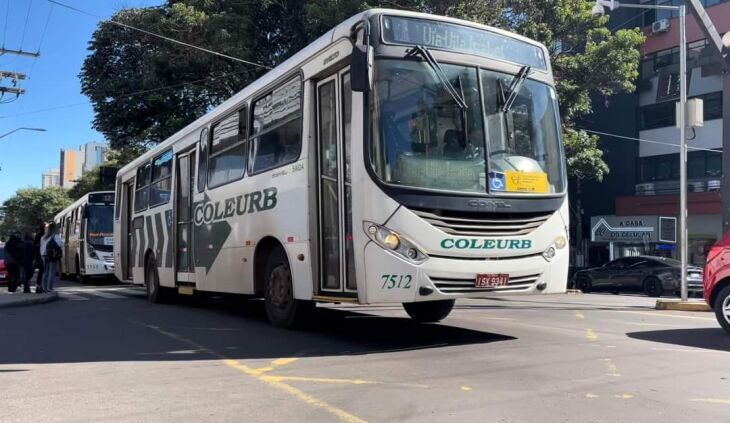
654, 276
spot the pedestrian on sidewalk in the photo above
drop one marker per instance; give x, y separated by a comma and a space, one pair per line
51, 249
27, 268
39, 258
13, 259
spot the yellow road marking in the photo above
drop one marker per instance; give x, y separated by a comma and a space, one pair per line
590, 335
649, 313
258, 374
623, 396
711, 400
591, 396
466, 388
612, 368
579, 315
283, 361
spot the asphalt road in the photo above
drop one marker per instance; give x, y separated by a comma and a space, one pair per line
105, 354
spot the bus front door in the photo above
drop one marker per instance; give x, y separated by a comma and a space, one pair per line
128, 259
185, 270
334, 111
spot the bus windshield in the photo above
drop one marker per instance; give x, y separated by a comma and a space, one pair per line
100, 229
422, 138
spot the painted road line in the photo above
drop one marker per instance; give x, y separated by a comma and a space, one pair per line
258, 374
697, 350
712, 400
591, 336
72, 297
276, 378
660, 314
579, 315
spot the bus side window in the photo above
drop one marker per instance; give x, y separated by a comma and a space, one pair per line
277, 128
82, 220
227, 160
161, 185
203, 159
141, 194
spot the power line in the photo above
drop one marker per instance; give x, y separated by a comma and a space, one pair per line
172, 40
25, 26
7, 14
45, 28
647, 141
132, 94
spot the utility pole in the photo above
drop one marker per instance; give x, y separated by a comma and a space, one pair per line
4, 50
14, 76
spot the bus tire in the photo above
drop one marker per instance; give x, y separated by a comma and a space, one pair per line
156, 294
80, 278
282, 309
429, 311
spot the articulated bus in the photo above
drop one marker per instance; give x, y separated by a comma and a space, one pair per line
86, 227
400, 158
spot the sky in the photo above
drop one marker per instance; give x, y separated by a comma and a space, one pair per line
52, 83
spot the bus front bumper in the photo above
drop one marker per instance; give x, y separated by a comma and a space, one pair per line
440, 278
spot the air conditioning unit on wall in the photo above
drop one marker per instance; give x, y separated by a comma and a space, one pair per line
660, 26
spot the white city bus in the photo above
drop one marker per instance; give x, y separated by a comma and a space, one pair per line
399, 158
86, 227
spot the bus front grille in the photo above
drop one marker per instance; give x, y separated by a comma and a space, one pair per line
483, 224
463, 286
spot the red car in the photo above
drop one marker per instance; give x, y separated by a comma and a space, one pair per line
3, 271
717, 281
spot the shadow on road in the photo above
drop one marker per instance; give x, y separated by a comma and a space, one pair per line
67, 332
708, 338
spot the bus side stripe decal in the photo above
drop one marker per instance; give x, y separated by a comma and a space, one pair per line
168, 238
159, 244
150, 236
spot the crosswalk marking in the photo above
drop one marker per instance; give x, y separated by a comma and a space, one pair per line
72, 297
104, 294
108, 293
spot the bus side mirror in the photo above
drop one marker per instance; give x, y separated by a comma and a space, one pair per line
361, 74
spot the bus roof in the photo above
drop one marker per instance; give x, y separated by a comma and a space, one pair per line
294, 62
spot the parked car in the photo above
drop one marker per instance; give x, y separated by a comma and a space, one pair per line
3, 271
652, 275
717, 281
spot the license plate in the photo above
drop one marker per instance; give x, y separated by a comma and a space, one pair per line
491, 280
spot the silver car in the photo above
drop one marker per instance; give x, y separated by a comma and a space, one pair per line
652, 275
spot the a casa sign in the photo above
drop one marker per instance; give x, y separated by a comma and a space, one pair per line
634, 229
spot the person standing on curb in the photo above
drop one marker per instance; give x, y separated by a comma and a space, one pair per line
27, 268
39, 258
13, 259
52, 251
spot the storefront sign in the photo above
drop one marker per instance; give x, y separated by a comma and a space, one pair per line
633, 229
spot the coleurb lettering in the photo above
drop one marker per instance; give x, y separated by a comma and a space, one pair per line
486, 244
253, 202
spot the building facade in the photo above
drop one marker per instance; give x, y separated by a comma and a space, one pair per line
52, 178
74, 163
648, 184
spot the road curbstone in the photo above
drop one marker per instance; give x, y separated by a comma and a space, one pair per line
678, 305
22, 299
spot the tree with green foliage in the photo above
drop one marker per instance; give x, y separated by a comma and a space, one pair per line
145, 89
31, 206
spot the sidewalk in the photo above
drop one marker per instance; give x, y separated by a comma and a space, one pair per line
19, 298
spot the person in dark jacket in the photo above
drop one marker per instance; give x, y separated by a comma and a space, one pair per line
13, 260
39, 259
27, 269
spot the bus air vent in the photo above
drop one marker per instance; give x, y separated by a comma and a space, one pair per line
483, 224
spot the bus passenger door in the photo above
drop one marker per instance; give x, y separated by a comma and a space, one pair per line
184, 267
65, 267
334, 106
128, 257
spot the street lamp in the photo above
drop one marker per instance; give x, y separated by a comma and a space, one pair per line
21, 129
598, 10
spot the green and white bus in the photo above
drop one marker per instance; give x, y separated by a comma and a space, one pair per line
399, 158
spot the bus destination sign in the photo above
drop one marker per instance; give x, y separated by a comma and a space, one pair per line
441, 35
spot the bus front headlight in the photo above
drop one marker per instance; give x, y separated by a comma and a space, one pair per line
91, 252
558, 244
394, 242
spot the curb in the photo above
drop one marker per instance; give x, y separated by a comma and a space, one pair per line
682, 305
30, 299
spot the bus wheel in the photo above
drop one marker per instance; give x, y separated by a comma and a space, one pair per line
429, 311
80, 278
282, 308
155, 293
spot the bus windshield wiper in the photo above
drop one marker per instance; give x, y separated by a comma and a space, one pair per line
509, 95
436, 67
